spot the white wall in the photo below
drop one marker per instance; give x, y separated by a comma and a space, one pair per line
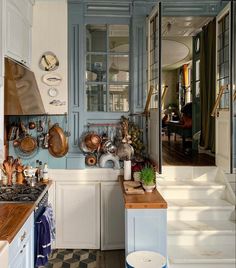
49, 33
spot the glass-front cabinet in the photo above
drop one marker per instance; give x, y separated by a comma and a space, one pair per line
107, 68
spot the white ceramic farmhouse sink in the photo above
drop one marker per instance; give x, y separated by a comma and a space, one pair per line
4, 254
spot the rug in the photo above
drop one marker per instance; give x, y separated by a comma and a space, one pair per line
72, 258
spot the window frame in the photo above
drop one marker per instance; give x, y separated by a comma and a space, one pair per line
107, 53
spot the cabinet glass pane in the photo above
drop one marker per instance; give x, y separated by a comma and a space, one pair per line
119, 38
198, 70
96, 67
119, 98
96, 97
226, 37
96, 38
119, 68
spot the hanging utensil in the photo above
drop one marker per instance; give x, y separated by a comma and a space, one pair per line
45, 141
28, 144
40, 127
32, 125
40, 140
58, 142
67, 132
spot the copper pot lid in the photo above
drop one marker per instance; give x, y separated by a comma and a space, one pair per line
58, 142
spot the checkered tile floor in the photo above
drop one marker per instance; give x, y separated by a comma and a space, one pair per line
72, 258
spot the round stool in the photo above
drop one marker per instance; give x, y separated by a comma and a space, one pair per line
145, 259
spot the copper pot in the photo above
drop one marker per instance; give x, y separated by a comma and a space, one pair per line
92, 141
91, 160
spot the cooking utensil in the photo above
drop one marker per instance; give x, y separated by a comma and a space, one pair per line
9, 166
32, 125
92, 140
28, 144
58, 143
40, 127
45, 141
40, 140
91, 160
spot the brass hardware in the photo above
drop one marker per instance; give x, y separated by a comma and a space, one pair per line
148, 99
164, 94
217, 102
23, 236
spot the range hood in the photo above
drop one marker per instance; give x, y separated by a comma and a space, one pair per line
21, 96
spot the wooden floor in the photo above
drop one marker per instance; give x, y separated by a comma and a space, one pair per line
174, 153
111, 259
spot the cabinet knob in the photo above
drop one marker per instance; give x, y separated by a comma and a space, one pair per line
23, 236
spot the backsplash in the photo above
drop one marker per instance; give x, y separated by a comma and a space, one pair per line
39, 153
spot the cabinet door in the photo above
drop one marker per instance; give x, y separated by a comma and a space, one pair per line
18, 34
112, 216
78, 215
14, 32
26, 46
21, 249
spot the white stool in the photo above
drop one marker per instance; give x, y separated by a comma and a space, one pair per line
145, 259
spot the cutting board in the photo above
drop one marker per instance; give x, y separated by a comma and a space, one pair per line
133, 187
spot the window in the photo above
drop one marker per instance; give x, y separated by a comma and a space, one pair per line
107, 68
223, 59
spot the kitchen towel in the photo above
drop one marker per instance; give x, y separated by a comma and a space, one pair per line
51, 221
43, 241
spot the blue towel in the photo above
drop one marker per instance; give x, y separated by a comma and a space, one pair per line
43, 245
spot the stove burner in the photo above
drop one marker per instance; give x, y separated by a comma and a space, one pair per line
21, 193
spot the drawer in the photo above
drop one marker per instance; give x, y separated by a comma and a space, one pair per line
22, 236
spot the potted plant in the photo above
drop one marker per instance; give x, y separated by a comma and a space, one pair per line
148, 178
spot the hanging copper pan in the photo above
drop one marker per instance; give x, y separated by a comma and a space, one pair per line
58, 142
28, 144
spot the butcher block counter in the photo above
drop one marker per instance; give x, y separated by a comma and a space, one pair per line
142, 201
12, 218
14, 215
145, 221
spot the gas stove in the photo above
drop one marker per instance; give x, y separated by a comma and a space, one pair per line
21, 193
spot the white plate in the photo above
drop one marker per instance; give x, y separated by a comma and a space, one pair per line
52, 79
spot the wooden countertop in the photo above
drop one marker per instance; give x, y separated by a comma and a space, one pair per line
14, 215
143, 201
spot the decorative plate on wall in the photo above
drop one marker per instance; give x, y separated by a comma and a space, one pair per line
52, 79
52, 92
48, 61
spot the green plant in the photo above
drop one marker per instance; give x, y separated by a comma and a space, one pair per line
148, 176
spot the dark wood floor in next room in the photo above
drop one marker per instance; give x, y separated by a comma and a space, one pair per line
173, 153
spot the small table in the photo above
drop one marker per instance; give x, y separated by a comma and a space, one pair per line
145, 222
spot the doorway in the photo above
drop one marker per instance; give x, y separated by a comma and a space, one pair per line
180, 101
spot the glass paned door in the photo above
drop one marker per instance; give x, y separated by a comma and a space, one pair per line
225, 78
154, 85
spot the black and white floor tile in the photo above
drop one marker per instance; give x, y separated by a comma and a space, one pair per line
72, 258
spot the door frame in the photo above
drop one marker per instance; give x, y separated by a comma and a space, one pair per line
156, 11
